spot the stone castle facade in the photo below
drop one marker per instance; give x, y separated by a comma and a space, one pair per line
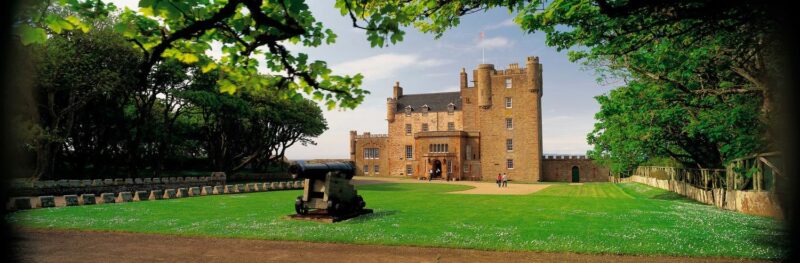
493, 126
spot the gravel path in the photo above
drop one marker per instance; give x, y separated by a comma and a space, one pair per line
84, 246
485, 188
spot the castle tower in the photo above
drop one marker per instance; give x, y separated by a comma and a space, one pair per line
533, 71
483, 81
353, 145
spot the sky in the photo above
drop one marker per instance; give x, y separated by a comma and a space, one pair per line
423, 64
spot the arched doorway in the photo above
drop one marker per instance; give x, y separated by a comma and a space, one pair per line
576, 174
437, 169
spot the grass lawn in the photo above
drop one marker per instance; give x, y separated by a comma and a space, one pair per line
611, 218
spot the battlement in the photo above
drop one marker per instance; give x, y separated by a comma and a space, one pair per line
564, 157
368, 135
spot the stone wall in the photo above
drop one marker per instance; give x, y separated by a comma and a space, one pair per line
97, 186
122, 195
558, 168
762, 203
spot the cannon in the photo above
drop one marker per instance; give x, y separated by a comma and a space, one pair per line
327, 189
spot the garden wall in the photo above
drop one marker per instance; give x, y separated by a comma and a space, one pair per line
762, 203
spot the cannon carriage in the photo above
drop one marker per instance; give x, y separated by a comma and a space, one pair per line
327, 190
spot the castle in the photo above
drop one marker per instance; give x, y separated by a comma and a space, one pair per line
472, 134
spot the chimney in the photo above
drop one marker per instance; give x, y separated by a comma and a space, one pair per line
397, 91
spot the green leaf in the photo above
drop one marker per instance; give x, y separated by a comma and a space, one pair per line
30, 35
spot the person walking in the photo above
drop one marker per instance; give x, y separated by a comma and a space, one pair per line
505, 180
499, 179
430, 175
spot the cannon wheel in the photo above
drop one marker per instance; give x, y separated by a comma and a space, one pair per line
360, 204
298, 206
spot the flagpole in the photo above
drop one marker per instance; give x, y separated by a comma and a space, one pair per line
483, 49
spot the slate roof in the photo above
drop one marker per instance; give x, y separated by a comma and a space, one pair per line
436, 101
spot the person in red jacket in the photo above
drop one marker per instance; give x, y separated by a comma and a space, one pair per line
499, 179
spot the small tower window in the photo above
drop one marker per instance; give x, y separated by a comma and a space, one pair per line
509, 145
408, 129
509, 123
451, 126
508, 102
508, 83
510, 163
424, 127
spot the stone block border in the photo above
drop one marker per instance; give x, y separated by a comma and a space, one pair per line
46, 201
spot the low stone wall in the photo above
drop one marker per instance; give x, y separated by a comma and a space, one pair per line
29, 202
98, 186
762, 203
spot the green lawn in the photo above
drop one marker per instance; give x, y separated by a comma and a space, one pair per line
626, 218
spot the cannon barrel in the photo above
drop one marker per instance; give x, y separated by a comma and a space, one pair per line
302, 169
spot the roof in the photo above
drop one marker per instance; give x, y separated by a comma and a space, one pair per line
436, 101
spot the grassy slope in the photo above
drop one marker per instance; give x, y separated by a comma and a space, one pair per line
590, 218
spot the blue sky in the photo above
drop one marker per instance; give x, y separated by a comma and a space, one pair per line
423, 64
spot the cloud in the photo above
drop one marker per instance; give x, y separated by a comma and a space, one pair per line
495, 42
385, 65
505, 23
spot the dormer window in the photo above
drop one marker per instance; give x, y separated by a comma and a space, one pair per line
425, 109
408, 110
450, 108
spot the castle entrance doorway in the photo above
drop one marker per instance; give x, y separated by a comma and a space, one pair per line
576, 174
437, 169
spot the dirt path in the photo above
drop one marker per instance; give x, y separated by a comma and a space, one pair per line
486, 188
79, 246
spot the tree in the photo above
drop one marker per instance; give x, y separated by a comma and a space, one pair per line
74, 70
704, 54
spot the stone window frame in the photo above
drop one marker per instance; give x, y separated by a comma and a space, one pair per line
371, 153
409, 152
509, 123
377, 169
425, 127
451, 126
509, 145
366, 169
409, 169
509, 103
408, 128
466, 168
508, 83
510, 164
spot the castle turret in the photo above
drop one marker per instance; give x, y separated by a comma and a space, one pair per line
463, 79
483, 81
353, 145
534, 73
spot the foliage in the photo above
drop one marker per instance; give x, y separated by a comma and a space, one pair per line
689, 60
186, 31
91, 118
630, 218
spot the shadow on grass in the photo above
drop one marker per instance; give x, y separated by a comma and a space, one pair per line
377, 215
771, 237
382, 187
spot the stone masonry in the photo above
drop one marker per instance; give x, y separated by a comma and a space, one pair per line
491, 127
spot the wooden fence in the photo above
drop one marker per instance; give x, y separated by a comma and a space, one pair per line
757, 172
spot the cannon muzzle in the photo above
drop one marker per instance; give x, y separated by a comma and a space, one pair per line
301, 169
